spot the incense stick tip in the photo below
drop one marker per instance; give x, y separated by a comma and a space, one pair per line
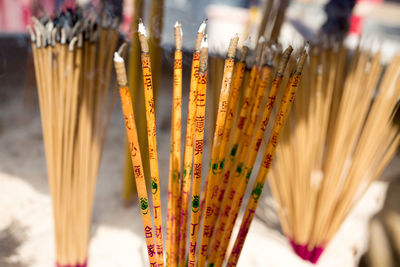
120, 69
178, 35
232, 46
285, 59
142, 28
31, 33
203, 54
307, 48
72, 43
118, 58
302, 59
63, 36
244, 52
80, 40
121, 49
143, 37
202, 27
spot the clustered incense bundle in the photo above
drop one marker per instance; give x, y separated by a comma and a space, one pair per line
199, 233
73, 58
339, 139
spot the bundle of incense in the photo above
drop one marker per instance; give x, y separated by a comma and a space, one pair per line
72, 59
341, 137
155, 256
238, 146
246, 108
248, 153
269, 152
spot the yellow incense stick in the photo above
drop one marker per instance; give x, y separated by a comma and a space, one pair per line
175, 159
244, 167
198, 151
151, 135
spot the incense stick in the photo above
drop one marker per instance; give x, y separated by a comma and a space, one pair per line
198, 150
151, 135
175, 155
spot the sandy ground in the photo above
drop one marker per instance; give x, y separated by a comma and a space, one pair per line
26, 232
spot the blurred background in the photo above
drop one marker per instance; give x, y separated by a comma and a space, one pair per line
369, 237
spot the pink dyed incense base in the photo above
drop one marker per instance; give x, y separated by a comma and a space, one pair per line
303, 252
72, 265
